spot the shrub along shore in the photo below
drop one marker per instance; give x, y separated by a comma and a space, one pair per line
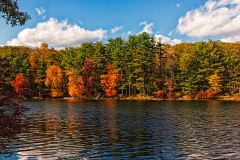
140, 98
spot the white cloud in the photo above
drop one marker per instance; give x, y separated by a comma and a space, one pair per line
231, 39
170, 33
40, 10
215, 18
115, 29
129, 32
178, 5
147, 27
56, 34
16, 42
167, 40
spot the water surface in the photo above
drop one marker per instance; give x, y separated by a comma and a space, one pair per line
112, 129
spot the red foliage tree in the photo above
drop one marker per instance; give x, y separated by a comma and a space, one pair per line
201, 95
88, 76
209, 94
170, 86
170, 95
160, 94
21, 85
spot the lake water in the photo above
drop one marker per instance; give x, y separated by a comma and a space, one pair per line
113, 129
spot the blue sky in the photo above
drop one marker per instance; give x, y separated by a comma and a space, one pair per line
71, 22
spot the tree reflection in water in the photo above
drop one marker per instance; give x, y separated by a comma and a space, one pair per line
113, 129
11, 122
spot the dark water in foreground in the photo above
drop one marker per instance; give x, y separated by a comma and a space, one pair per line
111, 129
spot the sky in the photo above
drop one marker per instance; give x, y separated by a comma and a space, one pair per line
64, 23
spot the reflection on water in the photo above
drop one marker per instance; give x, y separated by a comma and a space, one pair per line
111, 129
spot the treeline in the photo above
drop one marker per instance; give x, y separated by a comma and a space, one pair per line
139, 65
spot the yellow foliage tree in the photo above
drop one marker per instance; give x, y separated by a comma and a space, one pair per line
75, 84
215, 83
53, 80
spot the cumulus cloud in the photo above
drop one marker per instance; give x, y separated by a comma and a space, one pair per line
231, 39
178, 4
170, 33
56, 34
147, 27
215, 18
115, 29
129, 32
167, 40
40, 10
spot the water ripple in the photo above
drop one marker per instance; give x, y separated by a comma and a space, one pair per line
111, 129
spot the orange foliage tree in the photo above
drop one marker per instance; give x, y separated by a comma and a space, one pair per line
54, 78
75, 84
21, 85
109, 81
33, 65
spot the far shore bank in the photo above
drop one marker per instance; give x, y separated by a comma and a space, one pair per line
227, 98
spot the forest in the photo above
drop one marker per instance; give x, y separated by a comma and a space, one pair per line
140, 66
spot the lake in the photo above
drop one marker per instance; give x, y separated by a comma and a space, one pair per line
128, 129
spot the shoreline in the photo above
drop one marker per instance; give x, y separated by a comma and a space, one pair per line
222, 98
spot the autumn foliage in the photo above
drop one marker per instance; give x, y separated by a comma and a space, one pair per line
159, 94
215, 82
237, 96
33, 64
53, 80
75, 85
11, 111
109, 81
21, 85
201, 95
169, 95
210, 94
88, 76
146, 66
